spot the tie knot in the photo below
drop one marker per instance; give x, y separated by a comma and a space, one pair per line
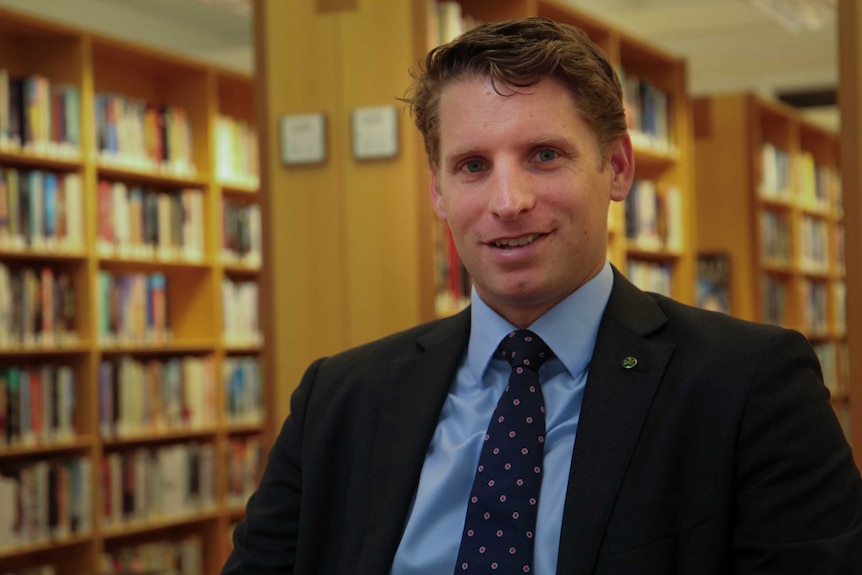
524, 348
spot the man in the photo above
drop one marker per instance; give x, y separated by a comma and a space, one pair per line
674, 440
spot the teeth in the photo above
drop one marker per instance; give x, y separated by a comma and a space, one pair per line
522, 241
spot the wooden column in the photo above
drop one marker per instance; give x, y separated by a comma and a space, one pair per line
850, 101
340, 237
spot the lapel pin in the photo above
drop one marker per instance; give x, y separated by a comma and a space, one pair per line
630, 362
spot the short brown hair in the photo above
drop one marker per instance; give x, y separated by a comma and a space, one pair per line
518, 54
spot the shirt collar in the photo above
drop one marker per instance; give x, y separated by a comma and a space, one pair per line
583, 308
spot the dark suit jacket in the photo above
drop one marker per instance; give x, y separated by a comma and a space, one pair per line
717, 453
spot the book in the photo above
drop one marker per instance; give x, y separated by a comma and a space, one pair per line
47, 304
4, 108
36, 187
17, 312
74, 210
71, 114
25, 413
136, 218
120, 218
56, 229
4, 209
24, 209
13, 193
157, 309
106, 399
17, 112
105, 216
38, 110
65, 384
6, 306
35, 407
713, 282
4, 407
65, 303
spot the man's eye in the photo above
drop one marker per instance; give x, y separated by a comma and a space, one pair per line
473, 166
546, 155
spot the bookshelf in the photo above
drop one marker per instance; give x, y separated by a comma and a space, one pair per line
850, 71
132, 409
769, 197
371, 221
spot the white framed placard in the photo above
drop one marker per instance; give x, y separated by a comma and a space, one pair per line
375, 132
303, 139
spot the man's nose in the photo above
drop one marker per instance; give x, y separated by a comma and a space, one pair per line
512, 192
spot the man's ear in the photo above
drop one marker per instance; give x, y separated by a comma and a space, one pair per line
622, 166
434, 194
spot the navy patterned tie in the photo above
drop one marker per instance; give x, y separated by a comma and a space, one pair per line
501, 513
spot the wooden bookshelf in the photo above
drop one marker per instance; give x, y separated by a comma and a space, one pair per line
849, 91
368, 230
769, 196
142, 195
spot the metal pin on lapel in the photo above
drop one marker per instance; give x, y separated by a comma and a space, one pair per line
630, 362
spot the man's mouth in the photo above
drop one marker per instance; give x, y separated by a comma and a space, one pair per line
516, 242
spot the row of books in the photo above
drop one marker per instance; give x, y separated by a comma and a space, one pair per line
834, 362
653, 216
819, 185
712, 291
243, 389
815, 306
136, 134
38, 306
138, 397
799, 178
133, 307
153, 483
776, 169
241, 233
134, 221
245, 459
648, 113
169, 557
838, 234
240, 305
650, 276
814, 236
775, 236
839, 308
40, 210
454, 285
44, 117
37, 404
814, 239
237, 158
45, 500
773, 300
39, 115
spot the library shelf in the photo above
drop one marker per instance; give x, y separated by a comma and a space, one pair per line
114, 155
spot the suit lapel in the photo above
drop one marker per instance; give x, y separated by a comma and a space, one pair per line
616, 401
411, 400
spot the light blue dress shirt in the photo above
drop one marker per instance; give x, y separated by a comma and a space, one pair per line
431, 539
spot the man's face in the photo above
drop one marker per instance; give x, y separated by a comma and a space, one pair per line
523, 189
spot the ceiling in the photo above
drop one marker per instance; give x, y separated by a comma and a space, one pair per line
729, 44
732, 46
